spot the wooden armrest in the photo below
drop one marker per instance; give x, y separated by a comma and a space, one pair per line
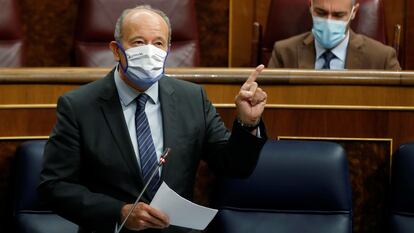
256, 44
397, 37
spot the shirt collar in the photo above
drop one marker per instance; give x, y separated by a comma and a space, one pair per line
339, 51
127, 94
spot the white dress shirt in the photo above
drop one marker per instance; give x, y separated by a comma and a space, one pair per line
338, 62
127, 97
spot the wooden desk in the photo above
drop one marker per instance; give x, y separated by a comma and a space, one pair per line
369, 112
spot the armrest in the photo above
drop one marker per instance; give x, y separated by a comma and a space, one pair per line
256, 55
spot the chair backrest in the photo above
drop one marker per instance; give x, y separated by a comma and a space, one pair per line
30, 214
297, 186
96, 24
287, 18
11, 41
402, 190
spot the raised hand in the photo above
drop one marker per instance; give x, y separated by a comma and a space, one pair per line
251, 99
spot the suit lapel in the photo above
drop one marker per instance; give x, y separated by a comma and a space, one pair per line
306, 53
113, 113
169, 119
354, 54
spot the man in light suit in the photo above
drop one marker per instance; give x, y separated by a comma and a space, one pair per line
94, 164
332, 44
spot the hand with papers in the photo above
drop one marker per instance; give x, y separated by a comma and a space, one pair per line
143, 217
180, 211
167, 207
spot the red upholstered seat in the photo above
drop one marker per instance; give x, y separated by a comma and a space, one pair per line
11, 42
96, 24
287, 18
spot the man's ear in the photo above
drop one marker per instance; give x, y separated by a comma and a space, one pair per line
356, 8
114, 48
310, 7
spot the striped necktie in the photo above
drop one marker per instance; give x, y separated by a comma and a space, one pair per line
146, 148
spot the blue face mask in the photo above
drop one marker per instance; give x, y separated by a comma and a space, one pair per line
144, 65
328, 32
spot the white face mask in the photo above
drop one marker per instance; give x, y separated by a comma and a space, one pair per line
144, 64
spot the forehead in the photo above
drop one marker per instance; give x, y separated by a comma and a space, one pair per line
144, 23
333, 5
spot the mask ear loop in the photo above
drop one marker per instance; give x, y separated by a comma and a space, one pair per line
349, 19
126, 58
351, 14
165, 60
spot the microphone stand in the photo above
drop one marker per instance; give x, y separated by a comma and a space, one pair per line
160, 164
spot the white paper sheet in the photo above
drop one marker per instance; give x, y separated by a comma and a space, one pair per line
182, 212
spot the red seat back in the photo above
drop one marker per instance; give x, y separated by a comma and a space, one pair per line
96, 24
11, 42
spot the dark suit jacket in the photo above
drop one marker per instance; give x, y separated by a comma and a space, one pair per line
90, 168
362, 53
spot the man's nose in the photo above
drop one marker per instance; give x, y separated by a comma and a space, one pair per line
329, 16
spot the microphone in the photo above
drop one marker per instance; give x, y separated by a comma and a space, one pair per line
157, 166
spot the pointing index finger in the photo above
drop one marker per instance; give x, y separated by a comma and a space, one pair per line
255, 73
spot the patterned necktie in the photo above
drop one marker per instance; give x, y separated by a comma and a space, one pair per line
327, 56
147, 154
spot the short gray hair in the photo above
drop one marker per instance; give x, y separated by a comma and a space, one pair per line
120, 21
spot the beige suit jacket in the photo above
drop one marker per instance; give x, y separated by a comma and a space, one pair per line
362, 53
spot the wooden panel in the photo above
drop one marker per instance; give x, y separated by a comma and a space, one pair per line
240, 32
333, 123
18, 122
29, 94
213, 28
395, 14
262, 10
371, 88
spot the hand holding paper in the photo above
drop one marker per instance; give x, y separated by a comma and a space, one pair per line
181, 211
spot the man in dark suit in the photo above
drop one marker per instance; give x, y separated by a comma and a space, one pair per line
331, 44
107, 132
